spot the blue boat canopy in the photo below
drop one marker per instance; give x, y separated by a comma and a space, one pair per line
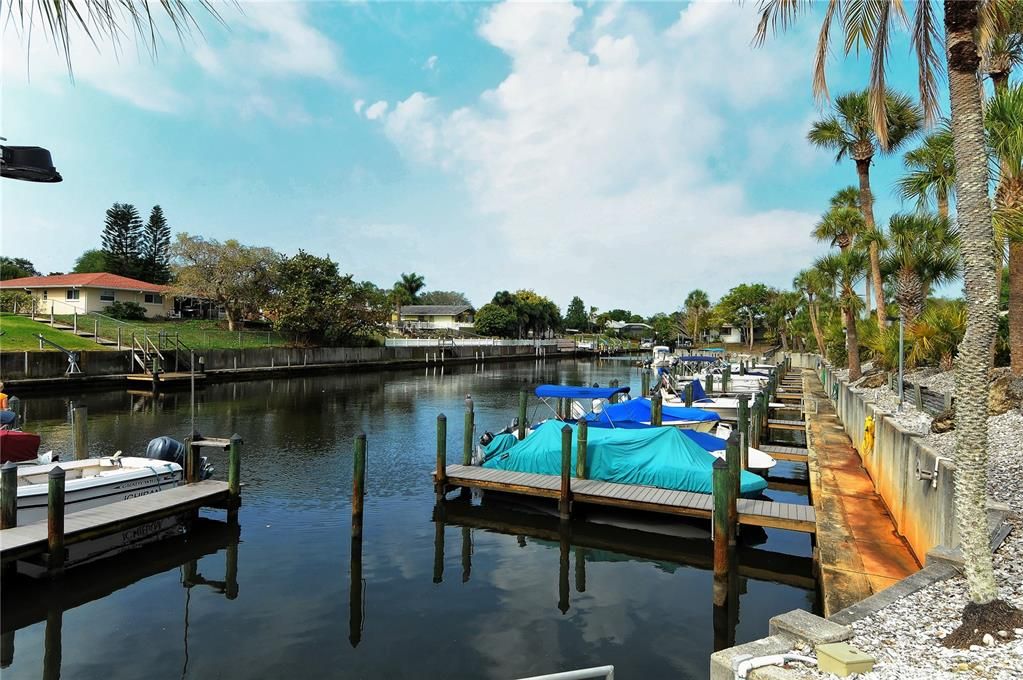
571, 392
638, 411
698, 358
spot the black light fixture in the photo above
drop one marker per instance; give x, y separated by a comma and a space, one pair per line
28, 163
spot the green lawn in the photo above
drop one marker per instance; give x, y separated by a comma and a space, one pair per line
195, 333
19, 334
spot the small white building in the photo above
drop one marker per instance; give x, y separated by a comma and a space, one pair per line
84, 293
435, 317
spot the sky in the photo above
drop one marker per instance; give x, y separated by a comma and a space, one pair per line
622, 152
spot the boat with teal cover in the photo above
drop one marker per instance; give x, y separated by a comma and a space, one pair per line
661, 457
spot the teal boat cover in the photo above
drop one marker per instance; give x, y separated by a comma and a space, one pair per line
500, 444
663, 457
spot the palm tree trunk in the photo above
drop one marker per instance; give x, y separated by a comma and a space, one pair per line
852, 344
751, 331
1016, 306
942, 205
1000, 80
867, 206
866, 296
976, 235
817, 334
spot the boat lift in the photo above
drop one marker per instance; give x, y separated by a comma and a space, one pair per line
72, 357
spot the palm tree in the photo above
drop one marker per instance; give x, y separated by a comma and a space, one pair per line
846, 197
1001, 40
102, 20
931, 171
921, 250
839, 227
697, 304
845, 269
851, 132
812, 285
964, 21
1004, 122
409, 286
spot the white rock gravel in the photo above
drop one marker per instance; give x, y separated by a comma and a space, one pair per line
905, 637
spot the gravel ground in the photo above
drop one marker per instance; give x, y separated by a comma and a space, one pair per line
905, 637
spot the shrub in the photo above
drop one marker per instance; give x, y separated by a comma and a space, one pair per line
10, 298
126, 310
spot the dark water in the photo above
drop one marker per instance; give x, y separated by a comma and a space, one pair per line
489, 591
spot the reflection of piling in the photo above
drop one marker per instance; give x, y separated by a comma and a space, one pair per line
467, 434
726, 606
441, 478
8, 495
55, 519
358, 484
580, 570
52, 643
6, 649
523, 400
565, 499
563, 589
466, 554
355, 603
80, 424
438, 544
580, 449
231, 570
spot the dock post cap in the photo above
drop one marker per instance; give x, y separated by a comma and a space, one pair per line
720, 464
733, 438
360, 435
566, 428
441, 416
57, 471
743, 396
236, 438
581, 420
8, 466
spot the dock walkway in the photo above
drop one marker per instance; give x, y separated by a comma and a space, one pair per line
31, 539
651, 499
859, 550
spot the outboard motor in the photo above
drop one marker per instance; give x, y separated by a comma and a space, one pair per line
486, 438
173, 451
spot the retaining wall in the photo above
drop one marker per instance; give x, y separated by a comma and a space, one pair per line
923, 510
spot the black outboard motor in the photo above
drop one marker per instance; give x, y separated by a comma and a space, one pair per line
168, 449
486, 438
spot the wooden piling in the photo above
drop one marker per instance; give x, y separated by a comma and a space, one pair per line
8, 495
468, 432
918, 398
732, 459
689, 394
565, 499
192, 459
655, 410
743, 426
721, 530
234, 471
441, 478
709, 387
580, 448
523, 401
55, 519
645, 382
726, 377
358, 484
80, 424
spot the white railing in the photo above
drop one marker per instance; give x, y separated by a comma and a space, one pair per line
466, 342
434, 326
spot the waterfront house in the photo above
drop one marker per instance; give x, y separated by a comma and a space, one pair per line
435, 317
84, 293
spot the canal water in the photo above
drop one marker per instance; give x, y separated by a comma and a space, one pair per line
462, 590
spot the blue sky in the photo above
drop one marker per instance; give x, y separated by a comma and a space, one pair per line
623, 152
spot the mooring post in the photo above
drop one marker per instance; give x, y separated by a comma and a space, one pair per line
192, 459
732, 455
722, 488
645, 380
754, 423
655, 410
743, 426
467, 434
523, 400
580, 449
441, 477
726, 377
8, 495
55, 519
742, 367
358, 484
689, 394
709, 387
234, 475
80, 423
565, 500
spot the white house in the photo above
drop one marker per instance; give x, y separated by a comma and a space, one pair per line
84, 293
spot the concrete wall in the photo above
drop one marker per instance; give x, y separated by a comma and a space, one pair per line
35, 364
924, 511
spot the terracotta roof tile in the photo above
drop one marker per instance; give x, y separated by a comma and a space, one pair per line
98, 280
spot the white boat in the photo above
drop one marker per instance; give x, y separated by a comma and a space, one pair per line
756, 460
93, 482
726, 407
662, 357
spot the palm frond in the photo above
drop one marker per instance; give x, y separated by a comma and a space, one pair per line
925, 37
778, 15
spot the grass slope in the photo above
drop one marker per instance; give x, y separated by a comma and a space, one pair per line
19, 335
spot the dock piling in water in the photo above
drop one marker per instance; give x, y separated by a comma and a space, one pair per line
743, 424
726, 377
523, 400
724, 510
55, 519
467, 434
732, 459
358, 484
645, 381
80, 424
689, 394
565, 499
655, 410
441, 478
580, 453
8, 495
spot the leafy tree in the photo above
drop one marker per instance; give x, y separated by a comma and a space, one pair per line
494, 320
851, 132
619, 315
696, 307
16, 268
443, 297
536, 313
235, 276
575, 314
313, 302
155, 248
745, 305
91, 261
921, 250
122, 230
781, 310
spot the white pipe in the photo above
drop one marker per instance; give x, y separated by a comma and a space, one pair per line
744, 665
607, 672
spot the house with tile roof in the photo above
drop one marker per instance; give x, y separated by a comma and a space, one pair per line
435, 317
84, 293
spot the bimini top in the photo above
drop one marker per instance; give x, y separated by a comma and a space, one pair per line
697, 358
638, 411
571, 392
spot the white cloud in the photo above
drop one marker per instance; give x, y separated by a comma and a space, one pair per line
598, 151
376, 110
359, 103
431, 63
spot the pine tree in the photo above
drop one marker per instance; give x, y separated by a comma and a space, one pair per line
155, 248
121, 234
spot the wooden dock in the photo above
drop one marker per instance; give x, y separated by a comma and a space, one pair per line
783, 424
650, 499
797, 454
26, 541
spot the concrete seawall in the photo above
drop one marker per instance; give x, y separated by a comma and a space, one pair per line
923, 509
